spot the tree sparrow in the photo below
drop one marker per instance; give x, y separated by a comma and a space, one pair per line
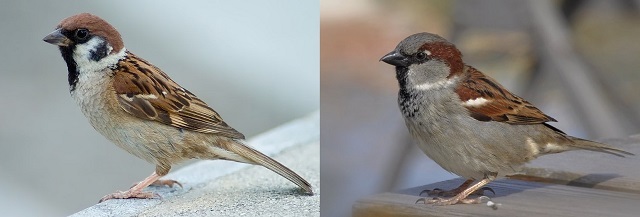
139, 108
468, 123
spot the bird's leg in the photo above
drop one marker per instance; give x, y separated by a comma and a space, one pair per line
456, 191
162, 182
462, 196
136, 190
162, 170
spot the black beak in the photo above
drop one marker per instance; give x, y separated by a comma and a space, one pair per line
395, 58
57, 38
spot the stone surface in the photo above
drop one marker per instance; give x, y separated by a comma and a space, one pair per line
222, 188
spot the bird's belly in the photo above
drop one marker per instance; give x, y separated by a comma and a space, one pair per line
474, 151
128, 135
145, 139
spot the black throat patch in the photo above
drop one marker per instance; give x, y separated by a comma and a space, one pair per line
401, 75
72, 68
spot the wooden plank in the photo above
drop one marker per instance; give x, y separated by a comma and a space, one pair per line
517, 198
584, 183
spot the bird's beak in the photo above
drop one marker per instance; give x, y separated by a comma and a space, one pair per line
395, 58
57, 38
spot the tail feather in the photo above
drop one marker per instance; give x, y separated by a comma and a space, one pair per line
600, 147
255, 157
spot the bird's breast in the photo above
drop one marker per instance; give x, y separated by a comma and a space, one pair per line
96, 98
445, 132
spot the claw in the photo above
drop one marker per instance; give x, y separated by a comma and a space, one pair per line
483, 189
435, 191
424, 191
490, 202
461, 193
136, 190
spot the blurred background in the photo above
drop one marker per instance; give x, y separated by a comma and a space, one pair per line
255, 62
575, 60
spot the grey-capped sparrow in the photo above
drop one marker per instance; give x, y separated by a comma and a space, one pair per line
468, 123
139, 108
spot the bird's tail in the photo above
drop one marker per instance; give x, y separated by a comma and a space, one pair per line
596, 146
253, 156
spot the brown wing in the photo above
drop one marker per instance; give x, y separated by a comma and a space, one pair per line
501, 105
146, 92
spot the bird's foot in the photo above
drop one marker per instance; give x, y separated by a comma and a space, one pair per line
461, 194
130, 194
439, 201
162, 182
450, 193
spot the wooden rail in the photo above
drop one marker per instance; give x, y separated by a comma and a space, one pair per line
577, 183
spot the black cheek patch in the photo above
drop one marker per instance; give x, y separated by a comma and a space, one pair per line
100, 52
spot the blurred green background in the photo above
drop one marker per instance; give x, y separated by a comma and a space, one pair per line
255, 62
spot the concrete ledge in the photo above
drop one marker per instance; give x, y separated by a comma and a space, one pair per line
223, 188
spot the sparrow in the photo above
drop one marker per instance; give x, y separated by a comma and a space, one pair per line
138, 107
467, 122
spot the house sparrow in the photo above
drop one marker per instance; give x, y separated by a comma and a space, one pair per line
468, 123
139, 108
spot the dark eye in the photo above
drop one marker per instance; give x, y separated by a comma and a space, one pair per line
421, 56
81, 33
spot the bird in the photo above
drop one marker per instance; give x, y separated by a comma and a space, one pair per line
142, 110
467, 122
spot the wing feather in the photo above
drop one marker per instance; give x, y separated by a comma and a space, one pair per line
146, 92
500, 105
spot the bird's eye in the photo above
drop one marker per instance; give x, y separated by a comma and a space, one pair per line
81, 33
421, 56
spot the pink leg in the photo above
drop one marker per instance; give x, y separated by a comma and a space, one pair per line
162, 182
462, 196
456, 191
135, 191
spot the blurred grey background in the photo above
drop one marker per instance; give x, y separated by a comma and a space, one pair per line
577, 60
255, 62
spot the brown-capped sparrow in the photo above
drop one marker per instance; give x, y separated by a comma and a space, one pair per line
468, 123
139, 108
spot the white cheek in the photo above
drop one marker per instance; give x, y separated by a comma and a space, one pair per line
435, 85
82, 56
